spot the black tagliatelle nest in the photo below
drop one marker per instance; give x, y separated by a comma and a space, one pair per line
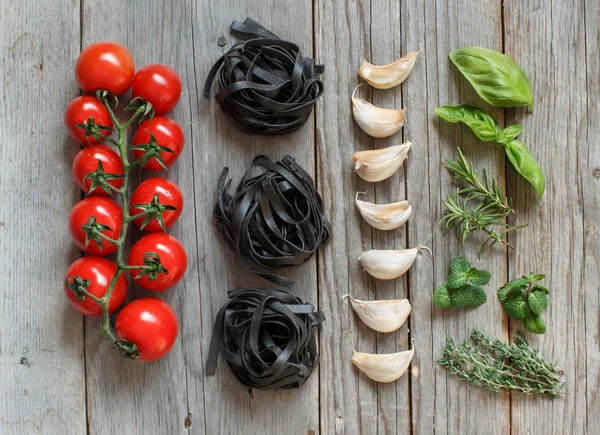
274, 219
266, 86
267, 338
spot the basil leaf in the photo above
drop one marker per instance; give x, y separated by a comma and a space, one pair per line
497, 78
483, 125
526, 165
509, 133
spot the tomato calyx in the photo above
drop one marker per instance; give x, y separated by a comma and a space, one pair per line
152, 266
105, 95
100, 178
78, 286
127, 348
139, 102
93, 231
151, 149
94, 130
153, 210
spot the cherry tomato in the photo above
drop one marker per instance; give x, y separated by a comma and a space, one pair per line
172, 257
168, 195
86, 161
106, 212
149, 323
79, 111
167, 133
106, 66
159, 85
99, 272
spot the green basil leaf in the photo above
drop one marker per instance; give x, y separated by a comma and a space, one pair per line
483, 125
526, 165
497, 78
509, 133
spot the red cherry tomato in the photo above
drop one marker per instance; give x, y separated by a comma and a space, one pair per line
168, 194
172, 257
149, 323
79, 111
86, 161
99, 272
167, 134
106, 66
106, 212
159, 85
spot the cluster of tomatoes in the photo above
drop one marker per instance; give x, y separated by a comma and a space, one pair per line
106, 68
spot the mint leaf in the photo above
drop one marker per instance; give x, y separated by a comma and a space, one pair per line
478, 297
537, 301
441, 297
516, 307
480, 277
511, 288
461, 297
535, 277
534, 323
460, 265
457, 280
541, 288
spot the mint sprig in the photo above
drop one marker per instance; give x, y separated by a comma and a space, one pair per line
525, 299
463, 286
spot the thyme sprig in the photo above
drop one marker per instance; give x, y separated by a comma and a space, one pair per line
491, 209
496, 366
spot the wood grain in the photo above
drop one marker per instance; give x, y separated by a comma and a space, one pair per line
41, 337
548, 40
58, 375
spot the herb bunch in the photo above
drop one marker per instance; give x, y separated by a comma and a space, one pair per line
463, 287
496, 366
491, 207
525, 299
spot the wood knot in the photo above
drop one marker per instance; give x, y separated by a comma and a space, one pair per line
222, 42
596, 173
187, 423
24, 361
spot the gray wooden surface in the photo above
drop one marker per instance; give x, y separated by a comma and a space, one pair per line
59, 376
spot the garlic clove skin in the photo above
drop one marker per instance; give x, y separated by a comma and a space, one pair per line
376, 121
388, 76
389, 264
384, 216
377, 165
382, 316
384, 367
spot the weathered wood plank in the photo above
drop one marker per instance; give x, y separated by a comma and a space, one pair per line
41, 337
548, 40
441, 402
165, 396
230, 408
589, 164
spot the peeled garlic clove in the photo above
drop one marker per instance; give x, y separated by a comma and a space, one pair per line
389, 264
384, 216
376, 121
388, 76
384, 367
382, 316
377, 165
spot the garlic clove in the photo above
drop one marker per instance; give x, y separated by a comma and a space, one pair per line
384, 367
376, 121
388, 76
389, 264
384, 216
382, 316
377, 165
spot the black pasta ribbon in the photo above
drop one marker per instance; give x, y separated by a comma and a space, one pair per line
275, 219
267, 338
266, 86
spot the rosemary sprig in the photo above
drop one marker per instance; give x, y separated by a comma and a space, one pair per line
496, 366
491, 209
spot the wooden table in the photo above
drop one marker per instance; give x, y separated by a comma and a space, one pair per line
58, 375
